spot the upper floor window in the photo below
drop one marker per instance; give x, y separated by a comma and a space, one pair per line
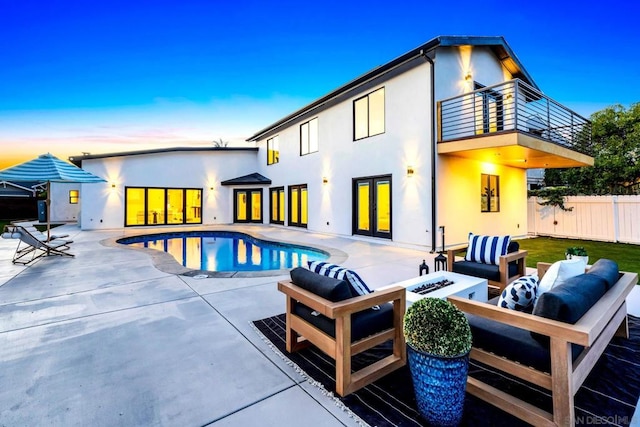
74, 195
368, 115
309, 137
490, 193
273, 152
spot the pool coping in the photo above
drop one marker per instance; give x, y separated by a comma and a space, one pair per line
166, 263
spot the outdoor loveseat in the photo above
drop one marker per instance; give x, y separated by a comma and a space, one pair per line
325, 312
556, 345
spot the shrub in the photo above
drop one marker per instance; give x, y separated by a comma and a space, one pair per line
436, 326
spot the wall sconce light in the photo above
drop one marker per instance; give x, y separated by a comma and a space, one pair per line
113, 185
325, 180
468, 76
211, 188
410, 171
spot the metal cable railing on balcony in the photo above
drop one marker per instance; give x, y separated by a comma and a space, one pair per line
513, 106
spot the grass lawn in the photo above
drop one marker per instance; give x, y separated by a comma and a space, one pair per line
549, 249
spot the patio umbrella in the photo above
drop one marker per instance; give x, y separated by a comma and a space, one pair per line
47, 169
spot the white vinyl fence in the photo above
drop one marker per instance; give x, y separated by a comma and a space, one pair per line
605, 218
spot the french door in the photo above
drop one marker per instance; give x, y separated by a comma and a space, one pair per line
372, 206
489, 111
247, 205
298, 205
277, 205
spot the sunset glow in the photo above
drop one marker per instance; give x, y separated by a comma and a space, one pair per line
120, 76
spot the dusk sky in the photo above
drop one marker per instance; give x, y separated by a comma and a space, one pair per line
127, 75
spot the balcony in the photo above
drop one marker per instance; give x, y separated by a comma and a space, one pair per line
513, 124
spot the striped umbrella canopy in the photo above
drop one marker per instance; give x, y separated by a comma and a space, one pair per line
47, 168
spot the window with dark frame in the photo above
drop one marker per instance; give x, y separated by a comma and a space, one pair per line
162, 206
273, 150
489, 193
277, 205
309, 137
74, 196
368, 115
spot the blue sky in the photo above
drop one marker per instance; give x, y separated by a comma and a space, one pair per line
125, 75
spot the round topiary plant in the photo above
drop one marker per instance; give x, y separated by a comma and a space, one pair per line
437, 327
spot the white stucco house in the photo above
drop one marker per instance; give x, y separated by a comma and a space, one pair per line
441, 136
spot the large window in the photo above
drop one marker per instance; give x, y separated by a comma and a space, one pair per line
298, 205
368, 115
273, 150
489, 193
309, 137
247, 206
161, 206
372, 206
277, 205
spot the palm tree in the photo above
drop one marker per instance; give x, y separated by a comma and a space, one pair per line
220, 143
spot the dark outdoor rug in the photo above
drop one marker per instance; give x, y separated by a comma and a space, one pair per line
607, 397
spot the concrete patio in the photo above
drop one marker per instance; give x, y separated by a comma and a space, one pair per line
113, 337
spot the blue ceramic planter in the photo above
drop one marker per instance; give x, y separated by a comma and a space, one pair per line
439, 384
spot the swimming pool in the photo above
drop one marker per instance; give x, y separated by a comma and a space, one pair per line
227, 251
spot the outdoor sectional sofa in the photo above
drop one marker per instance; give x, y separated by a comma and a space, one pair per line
555, 346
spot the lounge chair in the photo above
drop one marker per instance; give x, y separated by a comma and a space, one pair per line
37, 233
30, 244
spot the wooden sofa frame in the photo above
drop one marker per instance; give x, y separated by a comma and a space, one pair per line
519, 257
606, 319
301, 334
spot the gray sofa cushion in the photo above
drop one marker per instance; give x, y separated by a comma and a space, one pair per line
569, 301
363, 324
485, 271
607, 269
326, 287
513, 343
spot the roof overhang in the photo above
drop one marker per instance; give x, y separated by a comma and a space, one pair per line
251, 179
77, 160
515, 149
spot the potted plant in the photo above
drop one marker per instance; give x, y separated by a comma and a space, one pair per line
579, 252
438, 340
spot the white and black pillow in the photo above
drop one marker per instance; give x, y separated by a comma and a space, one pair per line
487, 249
356, 283
520, 294
559, 272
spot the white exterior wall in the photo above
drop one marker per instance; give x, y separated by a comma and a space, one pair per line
406, 142
187, 169
453, 63
61, 210
458, 190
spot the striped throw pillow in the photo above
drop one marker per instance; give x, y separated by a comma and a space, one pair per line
487, 249
358, 287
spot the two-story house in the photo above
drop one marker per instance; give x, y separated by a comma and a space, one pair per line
441, 136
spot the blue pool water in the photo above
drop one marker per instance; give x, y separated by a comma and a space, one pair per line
227, 251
